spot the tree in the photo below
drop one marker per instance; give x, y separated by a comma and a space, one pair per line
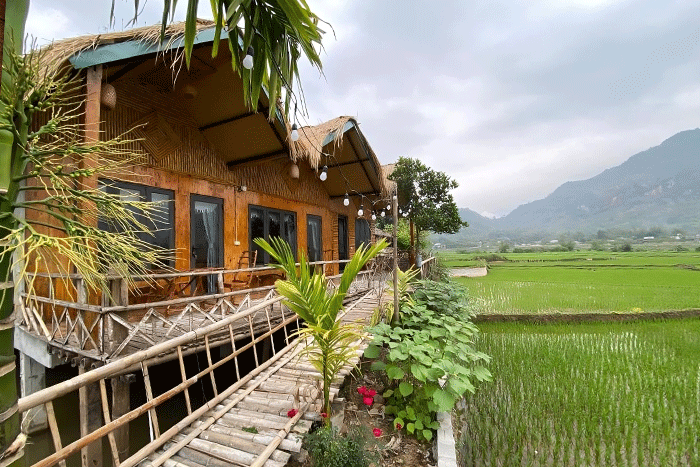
424, 194
278, 31
306, 292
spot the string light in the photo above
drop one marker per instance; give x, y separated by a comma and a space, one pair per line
324, 173
361, 211
383, 213
248, 60
295, 133
346, 200
374, 216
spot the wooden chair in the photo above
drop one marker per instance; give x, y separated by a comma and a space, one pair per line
243, 280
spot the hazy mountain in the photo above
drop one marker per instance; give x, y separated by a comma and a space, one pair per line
659, 187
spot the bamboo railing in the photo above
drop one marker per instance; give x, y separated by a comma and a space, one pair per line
78, 330
177, 347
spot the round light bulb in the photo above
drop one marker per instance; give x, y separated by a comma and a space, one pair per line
383, 213
374, 217
324, 173
346, 200
360, 212
248, 59
295, 133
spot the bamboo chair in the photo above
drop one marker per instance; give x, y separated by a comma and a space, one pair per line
243, 280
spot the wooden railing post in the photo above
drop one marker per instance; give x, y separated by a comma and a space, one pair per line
113, 335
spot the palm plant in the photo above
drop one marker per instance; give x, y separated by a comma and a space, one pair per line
405, 280
332, 344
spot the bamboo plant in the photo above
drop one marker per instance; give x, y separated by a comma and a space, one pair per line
332, 344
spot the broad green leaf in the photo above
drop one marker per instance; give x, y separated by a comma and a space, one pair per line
372, 351
444, 400
482, 374
394, 372
406, 390
427, 434
411, 427
410, 413
378, 365
419, 424
388, 393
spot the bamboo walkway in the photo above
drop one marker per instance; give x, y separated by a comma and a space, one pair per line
252, 426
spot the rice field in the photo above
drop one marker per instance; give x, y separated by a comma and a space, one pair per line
585, 281
600, 394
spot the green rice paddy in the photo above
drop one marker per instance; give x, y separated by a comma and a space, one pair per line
585, 281
603, 394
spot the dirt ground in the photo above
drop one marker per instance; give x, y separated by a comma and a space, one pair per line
397, 448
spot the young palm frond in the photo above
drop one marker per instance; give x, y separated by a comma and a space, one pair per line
333, 343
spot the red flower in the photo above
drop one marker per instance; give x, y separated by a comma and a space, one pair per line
371, 393
398, 426
362, 390
324, 415
368, 400
292, 413
377, 432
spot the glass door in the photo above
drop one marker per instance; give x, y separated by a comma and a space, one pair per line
206, 236
342, 240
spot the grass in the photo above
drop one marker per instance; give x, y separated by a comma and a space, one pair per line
614, 394
585, 281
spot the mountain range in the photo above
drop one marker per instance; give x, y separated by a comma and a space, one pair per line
656, 188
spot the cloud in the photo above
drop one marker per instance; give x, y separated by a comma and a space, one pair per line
510, 98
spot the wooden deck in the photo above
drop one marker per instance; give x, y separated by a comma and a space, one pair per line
222, 436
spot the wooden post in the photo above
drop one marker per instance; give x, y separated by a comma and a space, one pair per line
396, 319
114, 335
89, 396
90, 420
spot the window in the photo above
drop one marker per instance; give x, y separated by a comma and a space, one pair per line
362, 233
162, 233
265, 223
313, 238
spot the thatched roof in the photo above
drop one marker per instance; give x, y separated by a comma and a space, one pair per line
387, 170
323, 144
56, 54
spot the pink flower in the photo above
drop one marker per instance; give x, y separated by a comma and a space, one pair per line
377, 432
362, 390
371, 393
398, 426
324, 415
292, 413
368, 400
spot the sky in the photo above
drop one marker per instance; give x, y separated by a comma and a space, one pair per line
509, 98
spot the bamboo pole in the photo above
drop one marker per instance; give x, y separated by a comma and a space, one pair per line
105, 412
125, 363
53, 427
149, 398
211, 373
396, 318
184, 377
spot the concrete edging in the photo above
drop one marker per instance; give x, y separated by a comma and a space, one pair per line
445, 451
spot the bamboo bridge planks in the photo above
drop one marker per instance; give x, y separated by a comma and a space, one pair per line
254, 429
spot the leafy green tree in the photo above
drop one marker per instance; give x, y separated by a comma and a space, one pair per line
424, 194
332, 346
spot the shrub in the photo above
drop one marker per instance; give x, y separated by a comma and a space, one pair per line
430, 364
328, 448
443, 298
490, 257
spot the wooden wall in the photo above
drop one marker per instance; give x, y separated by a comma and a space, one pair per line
193, 167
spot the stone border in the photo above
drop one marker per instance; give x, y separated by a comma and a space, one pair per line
445, 451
